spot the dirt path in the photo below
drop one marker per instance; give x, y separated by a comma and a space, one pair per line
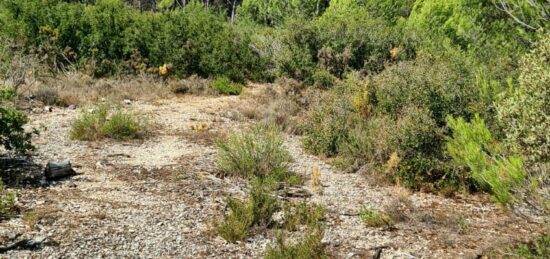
158, 197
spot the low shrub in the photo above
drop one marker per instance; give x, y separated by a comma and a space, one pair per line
257, 152
192, 85
375, 218
257, 210
224, 85
473, 148
7, 202
48, 96
309, 246
103, 122
298, 214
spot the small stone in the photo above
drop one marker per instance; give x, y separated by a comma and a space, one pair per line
48, 109
72, 107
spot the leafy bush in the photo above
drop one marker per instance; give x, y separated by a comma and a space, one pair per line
101, 122
224, 86
473, 148
12, 134
257, 152
328, 123
524, 113
7, 202
375, 218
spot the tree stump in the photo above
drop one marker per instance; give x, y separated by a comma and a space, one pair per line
59, 170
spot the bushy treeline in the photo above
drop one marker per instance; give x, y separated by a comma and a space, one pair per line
109, 37
432, 94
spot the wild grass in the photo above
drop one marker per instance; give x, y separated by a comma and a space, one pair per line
103, 122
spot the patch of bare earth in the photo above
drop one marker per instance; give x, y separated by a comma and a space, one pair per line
158, 197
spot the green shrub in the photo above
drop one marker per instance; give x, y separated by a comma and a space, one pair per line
224, 86
7, 202
236, 225
101, 122
537, 249
375, 218
301, 213
243, 216
308, 247
257, 152
524, 113
12, 133
473, 148
329, 121
444, 85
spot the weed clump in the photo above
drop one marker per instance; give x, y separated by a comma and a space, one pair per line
375, 218
257, 152
103, 122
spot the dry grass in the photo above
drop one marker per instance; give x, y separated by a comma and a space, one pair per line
78, 89
272, 104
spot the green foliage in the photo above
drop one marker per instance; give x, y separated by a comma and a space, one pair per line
7, 202
109, 38
101, 122
257, 152
237, 223
524, 113
12, 133
274, 12
223, 85
375, 218
309, 247
537, 249
473, 148
244, 215
300, 214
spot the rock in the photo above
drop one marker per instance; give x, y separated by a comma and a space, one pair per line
72, 107
59, 170
48, 109
127, 102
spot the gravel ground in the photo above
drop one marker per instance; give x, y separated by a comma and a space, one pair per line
158, 198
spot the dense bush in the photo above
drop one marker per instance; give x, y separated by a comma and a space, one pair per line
109, 37
524, 114
12, 133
